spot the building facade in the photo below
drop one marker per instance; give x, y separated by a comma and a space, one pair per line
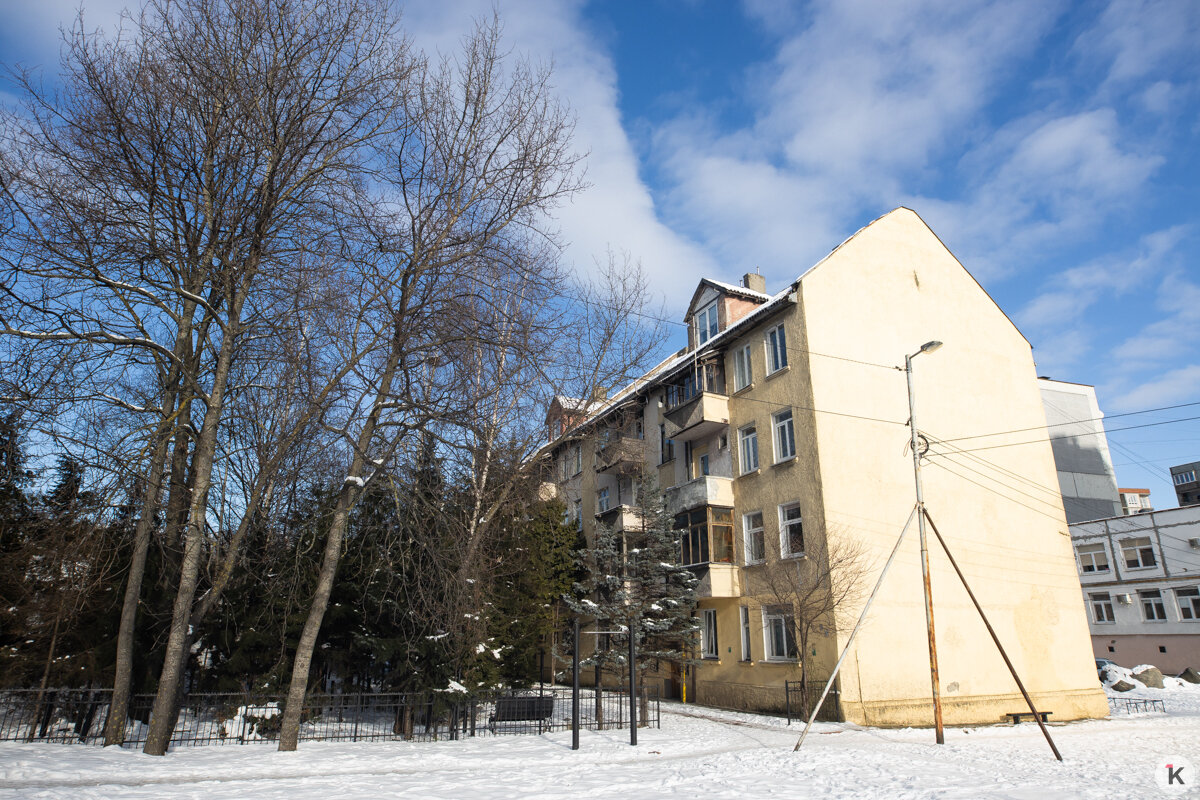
1186, 478
1086, 477
779, 438
1135, 501
1141, 584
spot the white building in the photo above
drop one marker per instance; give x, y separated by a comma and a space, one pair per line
1141, 583
1085, 469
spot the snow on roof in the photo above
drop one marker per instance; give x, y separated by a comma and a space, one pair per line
735, 289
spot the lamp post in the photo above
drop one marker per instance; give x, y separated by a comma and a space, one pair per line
928, 347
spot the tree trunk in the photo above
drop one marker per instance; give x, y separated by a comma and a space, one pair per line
289, 733
165, 712
37, 704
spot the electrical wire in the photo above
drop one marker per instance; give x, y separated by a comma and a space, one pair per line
1080, 421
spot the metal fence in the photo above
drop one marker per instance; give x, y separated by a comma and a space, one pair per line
79, 715
795, 706
1134, 705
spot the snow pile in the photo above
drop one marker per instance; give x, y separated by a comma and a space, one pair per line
251, 723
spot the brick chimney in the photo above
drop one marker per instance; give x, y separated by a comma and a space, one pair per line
754, 282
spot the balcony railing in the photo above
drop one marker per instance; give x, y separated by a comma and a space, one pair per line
720, 580
621, 453
707, 490
621, 518
706, 414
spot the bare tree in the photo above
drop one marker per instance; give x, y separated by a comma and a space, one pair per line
812, 595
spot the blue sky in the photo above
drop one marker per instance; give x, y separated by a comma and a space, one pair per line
1051, 145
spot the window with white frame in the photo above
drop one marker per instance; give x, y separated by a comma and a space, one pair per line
1189, 603
578, 512
752, 533
1181, 478
748, 445
706, 322
1102, 607
777, 357
708, 633
785, 436
779, 635
742, 373
791, 530
603, 503
1153, 609
1092, 558
578, 455
745, 614
1138, 553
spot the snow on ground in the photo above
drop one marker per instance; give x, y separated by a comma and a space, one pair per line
697, 752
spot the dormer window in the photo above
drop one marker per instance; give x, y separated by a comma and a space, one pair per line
706, 323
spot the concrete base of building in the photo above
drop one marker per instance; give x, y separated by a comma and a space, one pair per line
1171, 653
758, 698
976, 709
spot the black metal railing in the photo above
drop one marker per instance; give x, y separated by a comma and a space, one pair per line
796, 707
1135, 705
79, 716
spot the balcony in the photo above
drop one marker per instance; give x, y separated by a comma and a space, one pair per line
719, 581
621, 518
621, 454
707, 490
705, 414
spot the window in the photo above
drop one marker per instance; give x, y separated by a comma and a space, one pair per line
1092, 558
1138, 553
704, 464
578, 458
779, 633
745, 612
556, 428
791, 530
1189, 603
748, 438
1184, 477
1102, 607
752, 533
742, 374
1153, 609
706, 323
785, 436
578, 511
723, 441
705, 535
776, 349
602, 501
708, 634
666, 447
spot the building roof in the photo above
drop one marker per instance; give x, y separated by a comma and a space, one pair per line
1134, 491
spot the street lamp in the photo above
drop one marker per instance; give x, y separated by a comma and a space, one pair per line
928, 347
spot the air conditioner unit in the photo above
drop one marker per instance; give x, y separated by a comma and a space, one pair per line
1125, 599
1194, 543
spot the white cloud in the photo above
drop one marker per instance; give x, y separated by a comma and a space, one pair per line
1175, 386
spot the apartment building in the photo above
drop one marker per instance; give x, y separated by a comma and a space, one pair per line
1135, 501
780, 433
1187, 484
1086, 477
1141, 584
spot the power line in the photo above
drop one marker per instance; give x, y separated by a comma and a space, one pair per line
940, 465
1075, 435
1054, 492
1080, 421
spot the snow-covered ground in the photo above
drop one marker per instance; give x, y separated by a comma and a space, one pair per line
698, 753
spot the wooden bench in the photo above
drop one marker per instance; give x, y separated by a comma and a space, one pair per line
1017, 716
522, 709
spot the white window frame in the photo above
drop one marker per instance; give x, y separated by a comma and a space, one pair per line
1089, 564
1153, 607
1188, 600
785, 526
603, 501
707, 323
1138, 553
1102, 608
743, 371
744, 612
708, 634
783, 433
1180, 478
578, 511
776, 344
751, 534
748, 448
784, 618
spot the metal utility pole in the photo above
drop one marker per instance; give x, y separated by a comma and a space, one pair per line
928, 347
633, 721
575, 689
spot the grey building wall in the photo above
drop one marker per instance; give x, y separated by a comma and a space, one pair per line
1085, 472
